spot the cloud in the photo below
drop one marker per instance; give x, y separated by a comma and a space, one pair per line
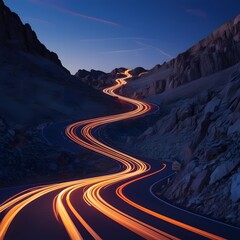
73, 13
155, 48
87, 17
196, 12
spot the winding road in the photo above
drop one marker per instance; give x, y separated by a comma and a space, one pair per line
117, 206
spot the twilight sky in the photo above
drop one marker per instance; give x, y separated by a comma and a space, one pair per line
105, 34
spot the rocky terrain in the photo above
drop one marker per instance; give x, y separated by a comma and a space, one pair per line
26, 158
15, 35
216, 52
36, 89
197, 124
203, 134
34, 86
99, 80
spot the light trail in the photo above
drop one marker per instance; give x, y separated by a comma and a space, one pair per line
134, 170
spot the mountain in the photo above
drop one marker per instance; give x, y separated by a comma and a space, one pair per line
36, 90
15, 35
98, 79
197, 125
218, 51
34, 86
93, 78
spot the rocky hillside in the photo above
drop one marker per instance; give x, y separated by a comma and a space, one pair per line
34, 86
197, 124
98, 79
15, 35
216, 52
94, 78
36, 90
27, 158
200, 129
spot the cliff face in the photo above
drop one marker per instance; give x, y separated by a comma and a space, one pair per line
201, 130
15, 35
216, 52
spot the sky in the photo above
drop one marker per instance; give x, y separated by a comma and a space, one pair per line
106, 34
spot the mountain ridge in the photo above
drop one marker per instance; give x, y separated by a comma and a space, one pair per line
16, 35
216, 52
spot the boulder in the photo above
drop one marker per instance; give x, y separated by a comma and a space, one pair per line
184, 112
215, 150
179, 188
212, 106
168, 123
199, 181
224, 169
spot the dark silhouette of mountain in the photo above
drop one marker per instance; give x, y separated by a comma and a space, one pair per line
36, 90
98, 79
34, 86
92, 73
15, 35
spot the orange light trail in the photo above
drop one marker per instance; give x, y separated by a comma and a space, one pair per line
134, 170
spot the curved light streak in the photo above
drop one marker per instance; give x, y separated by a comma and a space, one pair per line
134, 170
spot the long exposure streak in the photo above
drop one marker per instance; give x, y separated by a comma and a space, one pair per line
134, 170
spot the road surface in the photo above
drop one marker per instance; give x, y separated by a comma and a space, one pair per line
118, 205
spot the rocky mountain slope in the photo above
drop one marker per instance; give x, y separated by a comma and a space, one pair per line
15, 35
98, 79
26, 158
34, 86
36, 89
216, 52
197, 124
202, 132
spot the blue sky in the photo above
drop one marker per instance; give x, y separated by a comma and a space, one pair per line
105, 34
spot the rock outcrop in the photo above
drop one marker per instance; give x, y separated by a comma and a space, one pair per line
202, 133
98, 79
94, 78
27, 158
218, 51
15, 35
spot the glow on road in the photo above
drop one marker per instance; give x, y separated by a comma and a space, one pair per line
92, 188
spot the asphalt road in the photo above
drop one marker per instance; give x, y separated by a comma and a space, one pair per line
118, 205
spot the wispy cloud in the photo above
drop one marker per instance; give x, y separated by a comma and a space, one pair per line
73, 13
87, 17
125, 50
155, 48
196, 12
